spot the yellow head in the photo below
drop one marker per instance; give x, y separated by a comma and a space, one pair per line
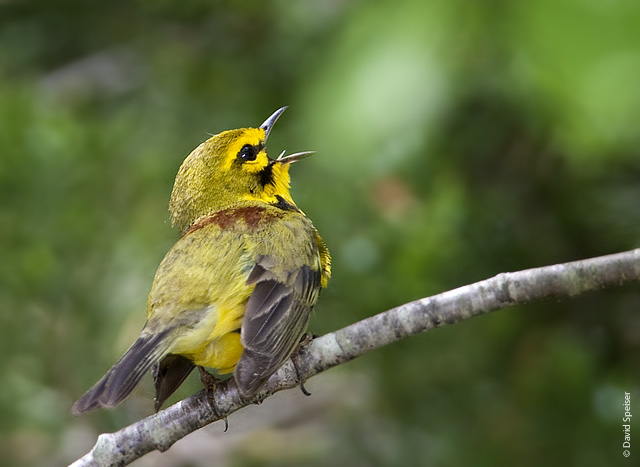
228, 170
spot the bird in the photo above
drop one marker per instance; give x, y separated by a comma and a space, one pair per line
236, 291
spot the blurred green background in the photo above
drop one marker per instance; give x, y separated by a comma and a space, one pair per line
456, 140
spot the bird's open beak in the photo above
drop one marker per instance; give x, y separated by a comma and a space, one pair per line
268, 125
269, 122
293, 157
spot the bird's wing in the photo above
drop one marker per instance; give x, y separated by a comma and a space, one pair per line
287, 283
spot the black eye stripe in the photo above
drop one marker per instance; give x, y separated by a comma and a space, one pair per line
248, 153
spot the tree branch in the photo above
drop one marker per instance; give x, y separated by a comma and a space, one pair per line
161, 430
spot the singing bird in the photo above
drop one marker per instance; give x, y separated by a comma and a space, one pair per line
236, 290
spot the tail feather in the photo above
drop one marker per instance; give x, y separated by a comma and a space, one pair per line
168, 375
117, 384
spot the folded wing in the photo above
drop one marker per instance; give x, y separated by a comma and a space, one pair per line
276, 318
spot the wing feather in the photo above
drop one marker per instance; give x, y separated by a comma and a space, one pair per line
276, 318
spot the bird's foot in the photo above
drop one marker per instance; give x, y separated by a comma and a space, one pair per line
304, 340
210, 382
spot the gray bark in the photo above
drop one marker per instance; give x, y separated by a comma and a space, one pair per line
160, 431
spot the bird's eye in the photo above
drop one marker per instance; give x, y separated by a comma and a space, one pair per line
248, 153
